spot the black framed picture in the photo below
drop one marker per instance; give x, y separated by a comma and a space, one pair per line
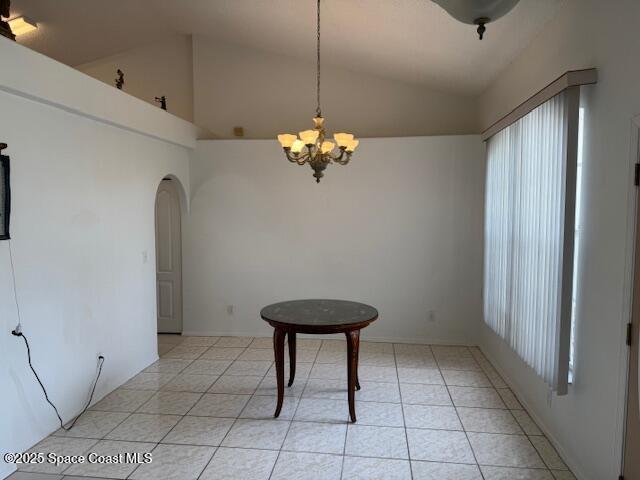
5, 198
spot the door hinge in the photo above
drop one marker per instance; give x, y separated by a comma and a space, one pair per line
636, 175
629, 333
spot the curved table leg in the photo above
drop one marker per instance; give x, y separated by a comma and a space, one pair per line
278, 347
353, 345
357, 362
292, 357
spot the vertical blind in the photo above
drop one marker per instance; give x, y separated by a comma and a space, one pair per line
528, 249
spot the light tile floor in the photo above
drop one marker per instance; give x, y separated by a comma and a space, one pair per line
204, 411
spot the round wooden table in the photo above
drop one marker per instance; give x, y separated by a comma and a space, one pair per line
317, 317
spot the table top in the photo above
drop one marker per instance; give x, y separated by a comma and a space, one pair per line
319, 313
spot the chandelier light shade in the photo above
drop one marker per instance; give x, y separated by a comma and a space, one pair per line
311, 146
477, 12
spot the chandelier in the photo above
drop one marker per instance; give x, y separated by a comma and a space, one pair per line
312, 148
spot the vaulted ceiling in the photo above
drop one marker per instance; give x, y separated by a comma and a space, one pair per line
413, 41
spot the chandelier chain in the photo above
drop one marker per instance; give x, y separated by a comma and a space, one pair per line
318, 111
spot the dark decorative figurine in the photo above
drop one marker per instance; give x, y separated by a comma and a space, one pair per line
162, 101
120, 79
5, 28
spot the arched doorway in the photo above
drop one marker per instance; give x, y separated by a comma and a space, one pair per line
168, 257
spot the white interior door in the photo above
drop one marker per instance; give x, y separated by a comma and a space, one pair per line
168, 258
631, 460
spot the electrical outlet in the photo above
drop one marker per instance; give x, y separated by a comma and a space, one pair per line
230, 309
431, 316
145, 257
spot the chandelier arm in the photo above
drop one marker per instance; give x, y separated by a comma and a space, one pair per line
305, 158
311, 153
296, 158
342, 161
330, 157
339, 157
290, 157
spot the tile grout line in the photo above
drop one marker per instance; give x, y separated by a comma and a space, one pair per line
199, 398
155, 392
346, 430
194, 404
98, 440
545, 466
455, 409
301, 421
486, 361
129, 414
295, 410
235, 419
404, 421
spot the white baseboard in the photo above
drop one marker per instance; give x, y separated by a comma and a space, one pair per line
568, 459
364, 338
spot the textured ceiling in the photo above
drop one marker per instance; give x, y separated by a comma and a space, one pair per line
414, 41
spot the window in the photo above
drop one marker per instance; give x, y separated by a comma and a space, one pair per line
529, 235
576, 248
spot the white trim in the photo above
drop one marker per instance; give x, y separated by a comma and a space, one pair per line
572, 99
364, 338
569, 79
627, 291
33, 76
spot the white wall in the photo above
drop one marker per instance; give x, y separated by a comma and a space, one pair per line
220, 86
400, 227
268, 94
587, 33
161, 68
83, 192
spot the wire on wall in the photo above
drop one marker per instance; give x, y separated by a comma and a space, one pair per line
18, 333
